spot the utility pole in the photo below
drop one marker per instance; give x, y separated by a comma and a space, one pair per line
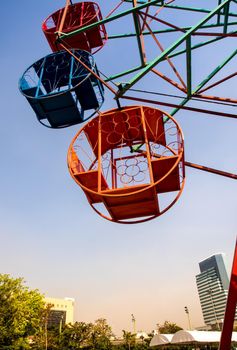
187, 312
60, 324
134, 324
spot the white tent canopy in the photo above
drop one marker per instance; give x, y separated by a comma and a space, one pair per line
196, 336
161, 339
188, 337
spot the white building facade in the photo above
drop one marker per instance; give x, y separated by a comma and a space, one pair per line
61, 311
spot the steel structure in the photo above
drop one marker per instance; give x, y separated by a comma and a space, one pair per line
171, 37
225, 342
158, 24
212, 23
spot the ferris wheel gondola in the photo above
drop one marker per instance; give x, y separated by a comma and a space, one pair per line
61, 91
76, 16
129, 163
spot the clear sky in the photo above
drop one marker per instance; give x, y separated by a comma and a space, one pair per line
50, 235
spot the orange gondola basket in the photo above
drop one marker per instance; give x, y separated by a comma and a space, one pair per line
129, 163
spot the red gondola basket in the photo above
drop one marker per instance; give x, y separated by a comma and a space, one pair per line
78, 15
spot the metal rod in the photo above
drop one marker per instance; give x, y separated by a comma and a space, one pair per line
225, 342
217, 98
211, 170
139, 36
114, 9
99, 155
167, 58
148, 156
227, 8
161, 75
87, 68
175, 7
123, 73
179, 7
197, 46
188, 67
182, 29
166, 23
165, 53
193, 109
144, 20
215, 71
223, 35
209, 77
109, 19
218, 82
63, 17
218, 15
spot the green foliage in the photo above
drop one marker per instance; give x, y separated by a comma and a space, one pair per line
24, 325
129, 339
85, 335
76, 336
20, 310
168, 328
101, 335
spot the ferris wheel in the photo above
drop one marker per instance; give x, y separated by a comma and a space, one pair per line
129, 160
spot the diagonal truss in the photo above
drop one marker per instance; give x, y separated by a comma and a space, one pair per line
214, 25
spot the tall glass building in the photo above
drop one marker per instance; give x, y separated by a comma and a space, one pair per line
212, 285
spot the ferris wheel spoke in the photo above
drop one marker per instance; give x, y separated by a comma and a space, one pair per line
165, 53
211, 170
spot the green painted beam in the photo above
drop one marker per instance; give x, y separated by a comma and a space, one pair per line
170, 30
137, 29
203, 10
179, 7
227, 8
189, 66
129, 71
109, 19
215, 71
218, 15
177, 53
166, 52
208, 78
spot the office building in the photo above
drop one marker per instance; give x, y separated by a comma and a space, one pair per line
61, 311
212, 285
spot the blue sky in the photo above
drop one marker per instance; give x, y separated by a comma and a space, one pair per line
50, 235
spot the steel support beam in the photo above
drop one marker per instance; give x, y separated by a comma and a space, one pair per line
225, 342
166, 52
109, 19
139, 35
189, 66
180, 106
164, 31
211, 170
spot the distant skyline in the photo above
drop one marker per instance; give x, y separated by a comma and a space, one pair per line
53, 239
212, 284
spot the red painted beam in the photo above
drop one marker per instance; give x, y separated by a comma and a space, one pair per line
225, 342
193, 109
211, 170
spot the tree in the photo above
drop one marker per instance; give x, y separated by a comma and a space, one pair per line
76, 336
168, 328
45, 338
101, 335
129, 339
20, 310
